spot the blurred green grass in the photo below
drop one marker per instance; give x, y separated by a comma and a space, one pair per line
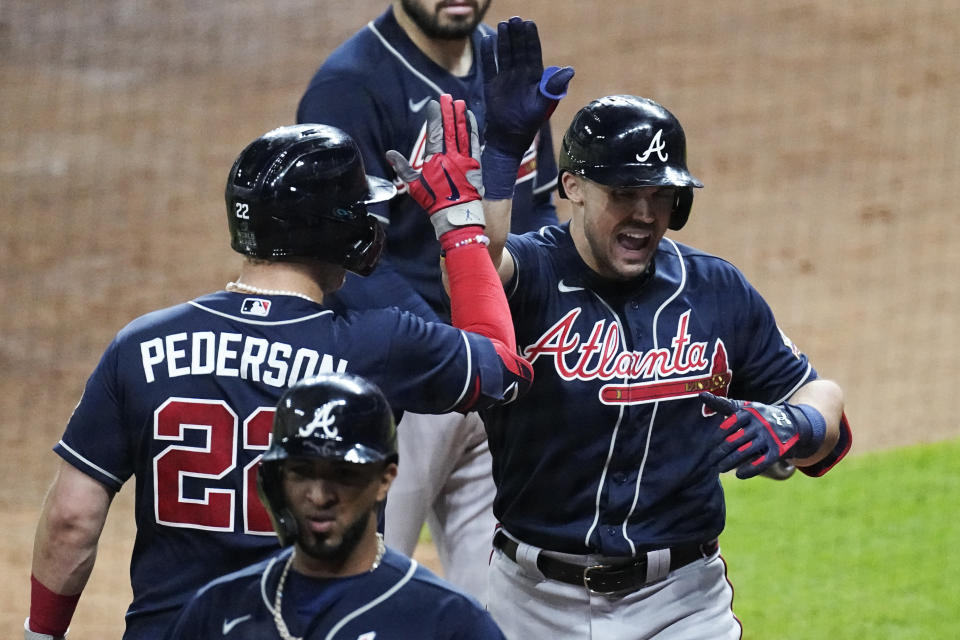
869, 551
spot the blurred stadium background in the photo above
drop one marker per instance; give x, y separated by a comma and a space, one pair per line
825, 132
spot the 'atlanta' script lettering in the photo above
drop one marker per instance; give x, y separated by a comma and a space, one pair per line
600, 356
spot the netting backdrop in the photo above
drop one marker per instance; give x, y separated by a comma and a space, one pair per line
825, 132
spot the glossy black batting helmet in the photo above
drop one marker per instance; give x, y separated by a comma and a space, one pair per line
302, 191
628, 141
339, 417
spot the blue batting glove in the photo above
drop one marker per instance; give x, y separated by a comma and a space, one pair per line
520, 94
754, 435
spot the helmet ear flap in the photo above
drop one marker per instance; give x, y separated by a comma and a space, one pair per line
364, 255
286, 527
560, 190
681, 208
270, 489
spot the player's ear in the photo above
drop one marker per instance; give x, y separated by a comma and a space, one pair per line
572, 187
386, 479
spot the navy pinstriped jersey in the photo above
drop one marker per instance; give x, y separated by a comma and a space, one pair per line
183, 399
605, 454
375, 87
399, 600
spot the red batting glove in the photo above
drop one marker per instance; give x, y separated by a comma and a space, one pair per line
450, 185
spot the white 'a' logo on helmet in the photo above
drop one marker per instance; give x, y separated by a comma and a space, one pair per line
656, 144
323, 419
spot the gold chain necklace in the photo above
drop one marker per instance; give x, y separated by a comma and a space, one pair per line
278, 598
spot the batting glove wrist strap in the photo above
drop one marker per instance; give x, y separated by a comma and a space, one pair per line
753, 436
50, 612
29, 634
499, 173
459, 215
827, 462
812, 432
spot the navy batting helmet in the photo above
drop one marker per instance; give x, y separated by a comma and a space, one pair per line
302, 191
338, 417
628, 141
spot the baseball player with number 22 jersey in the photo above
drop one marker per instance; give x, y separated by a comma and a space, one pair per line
333, 586
183, 398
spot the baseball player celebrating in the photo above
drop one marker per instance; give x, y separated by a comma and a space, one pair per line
657, 367
383, 77
183, 398
331, 461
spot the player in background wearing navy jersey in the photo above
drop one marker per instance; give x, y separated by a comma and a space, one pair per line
657, 366
375, 86
183, 398
332, 459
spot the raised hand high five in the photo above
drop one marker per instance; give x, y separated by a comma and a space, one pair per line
450, 186
520, 95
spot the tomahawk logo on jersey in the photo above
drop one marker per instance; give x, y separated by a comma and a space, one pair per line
618, 371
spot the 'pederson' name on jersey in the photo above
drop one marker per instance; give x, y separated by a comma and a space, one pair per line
233, 355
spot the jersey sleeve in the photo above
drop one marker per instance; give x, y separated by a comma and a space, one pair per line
229, 606
96, 440
524, 251
436, 368
191, 621
447, 613
768, 366
381, 289
470, 622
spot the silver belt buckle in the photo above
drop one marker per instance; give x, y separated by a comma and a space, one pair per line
586, 577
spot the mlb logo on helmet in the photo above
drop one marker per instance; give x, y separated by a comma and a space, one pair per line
255, 307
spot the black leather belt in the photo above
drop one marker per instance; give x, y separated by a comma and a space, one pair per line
607, 578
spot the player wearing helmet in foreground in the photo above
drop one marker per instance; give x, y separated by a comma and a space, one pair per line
658, 367
183, 398
332, 459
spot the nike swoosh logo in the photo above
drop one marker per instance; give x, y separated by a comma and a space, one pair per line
565, 288
228, 625
416, 106
454, 192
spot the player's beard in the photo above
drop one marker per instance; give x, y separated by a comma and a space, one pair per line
317, 547
451, 29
